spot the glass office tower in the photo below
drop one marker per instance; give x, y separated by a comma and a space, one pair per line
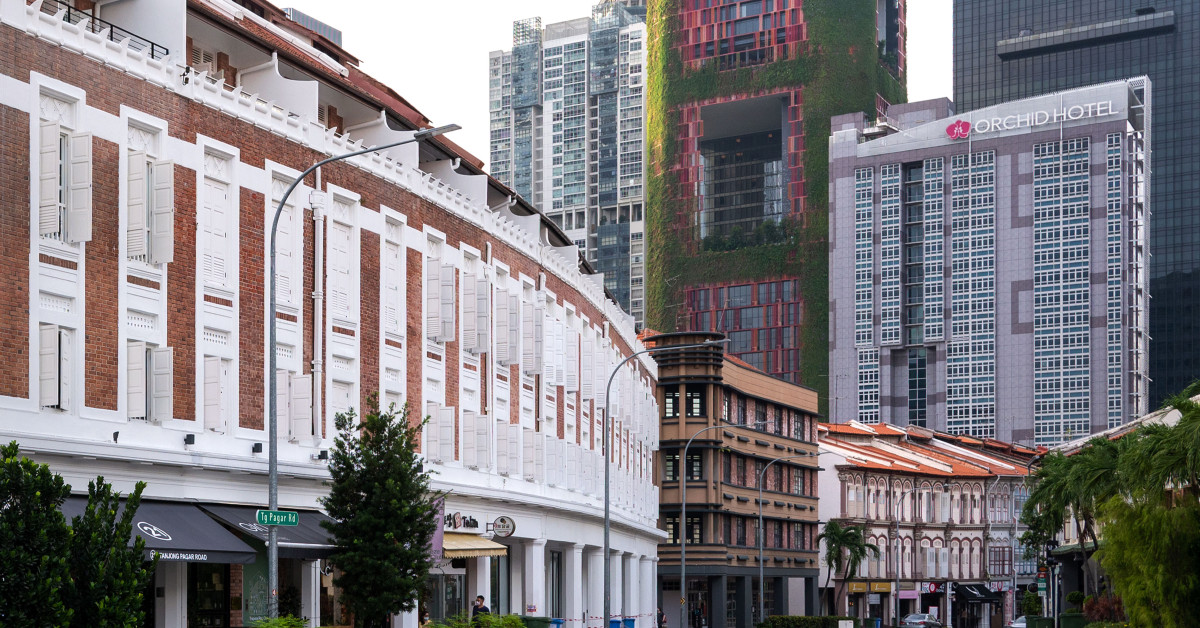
1020, 48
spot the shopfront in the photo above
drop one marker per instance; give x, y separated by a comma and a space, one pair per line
932, 599
974, 605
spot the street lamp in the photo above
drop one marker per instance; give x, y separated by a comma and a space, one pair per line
762, 614
272, 400
607, 459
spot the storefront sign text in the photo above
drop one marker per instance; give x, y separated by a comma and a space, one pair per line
960, 129
459, 520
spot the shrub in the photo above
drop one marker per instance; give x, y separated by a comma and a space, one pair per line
796, 621
1076, 598
1104, 609
284, 621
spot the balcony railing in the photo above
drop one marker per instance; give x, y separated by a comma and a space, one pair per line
97, 25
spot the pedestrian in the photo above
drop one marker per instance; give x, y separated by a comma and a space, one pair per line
662, 619
480, 608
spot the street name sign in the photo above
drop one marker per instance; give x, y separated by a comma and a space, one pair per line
278, 518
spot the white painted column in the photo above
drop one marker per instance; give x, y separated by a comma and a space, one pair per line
516, 580
172, 607
573, 606
535, 578
616, 584
479, 580
632, 579
649, 586
405, 620
310, 592
595, 585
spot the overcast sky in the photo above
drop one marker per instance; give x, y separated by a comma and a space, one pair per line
435, 53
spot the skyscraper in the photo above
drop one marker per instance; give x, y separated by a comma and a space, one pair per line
737, 132
1010, 50
988, 269
566, 106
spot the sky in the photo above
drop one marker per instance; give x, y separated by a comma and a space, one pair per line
435, 54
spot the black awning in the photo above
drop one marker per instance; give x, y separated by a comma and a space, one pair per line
177, 531
975, 593
306, 540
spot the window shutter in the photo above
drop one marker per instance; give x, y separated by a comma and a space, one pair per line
539, 340
136, 205
502, 462
283, 256
528, 344
339, 270
163, 388
79, 198
213, 419
48, 363
283, 397
572, 464
944, 507
448, 307
433, 451
514, 450
553, 462
301, 404
64, 369
483, 441
216, 225
162, 218
483, 323
503, 348
514, 331
560, 354
470, 334
470, 451
571, 357
136, 384
433, 302
48, 178
446, 434
391, 288
943, 561
587, 364
530, 453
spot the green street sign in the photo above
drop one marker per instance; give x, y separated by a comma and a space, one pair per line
277, 518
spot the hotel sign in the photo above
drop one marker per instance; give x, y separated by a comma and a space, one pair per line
960, 129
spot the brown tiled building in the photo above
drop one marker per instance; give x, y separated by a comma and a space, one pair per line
742, 420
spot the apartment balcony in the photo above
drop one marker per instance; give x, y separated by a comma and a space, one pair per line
92, 24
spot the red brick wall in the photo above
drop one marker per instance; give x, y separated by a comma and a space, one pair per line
415, 350
253, 299
103, 278
181, 294
14, 249
368, 346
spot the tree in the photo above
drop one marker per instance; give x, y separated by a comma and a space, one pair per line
845, 549
383, 512
33, 543
110, 575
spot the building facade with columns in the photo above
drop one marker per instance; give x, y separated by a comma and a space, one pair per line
147, 145
942, 513
752, 436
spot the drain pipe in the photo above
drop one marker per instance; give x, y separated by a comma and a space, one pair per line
318, 297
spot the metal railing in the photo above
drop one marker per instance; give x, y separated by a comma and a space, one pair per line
97, 25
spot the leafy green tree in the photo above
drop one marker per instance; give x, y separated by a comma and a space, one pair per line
383, 512
845, 549
110, 575
33, 543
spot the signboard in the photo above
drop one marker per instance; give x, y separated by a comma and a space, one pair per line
858, 587
504, 526
881, 587
930, 587
961, 129
459, 520
277, 518
872, 598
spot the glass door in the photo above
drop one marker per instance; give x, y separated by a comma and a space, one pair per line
208, 595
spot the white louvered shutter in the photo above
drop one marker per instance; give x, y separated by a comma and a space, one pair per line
483, 321
339, 270
514, 331
283, 397
391, 289
449, 305
470, 336
433, 451
539, 340
137, 203
446, 434
553, 464
49, 181
433, 301
539, 457
301, 418
136, 380
930, 562
162, 394
572, 465
483, 441
502, 462
283, 256
162, 214
943, 562
65, 351
48, 363
470, 446
944, 507
213, 419
530, 452
79, 195
216, 227
528, 344
503, 348
572, 361
560, 353
514, 450
588, 367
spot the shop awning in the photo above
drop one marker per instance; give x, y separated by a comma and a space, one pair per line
177, 531
975, 593
459, 545
306, 540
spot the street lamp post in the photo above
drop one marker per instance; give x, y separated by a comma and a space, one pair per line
608, 457
762, 614
272, 400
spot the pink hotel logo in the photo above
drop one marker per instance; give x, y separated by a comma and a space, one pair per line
959, 130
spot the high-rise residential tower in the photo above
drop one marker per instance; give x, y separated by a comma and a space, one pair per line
737, 130
566, 107
988, 269
1020, 48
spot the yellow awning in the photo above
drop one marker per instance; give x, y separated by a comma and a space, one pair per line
459, 545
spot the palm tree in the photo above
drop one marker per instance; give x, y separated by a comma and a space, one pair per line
845, 549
